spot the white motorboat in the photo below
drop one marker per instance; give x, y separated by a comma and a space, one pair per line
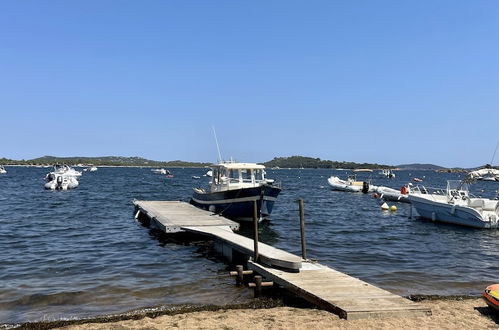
2, 170
455, 205
90, 169
66, 170
62, 178
350, 184
161, 171
387, 173
394, 195
234, 189
485, 174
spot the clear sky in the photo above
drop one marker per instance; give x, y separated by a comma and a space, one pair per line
390, 82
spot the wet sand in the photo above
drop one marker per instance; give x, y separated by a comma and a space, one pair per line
471, 313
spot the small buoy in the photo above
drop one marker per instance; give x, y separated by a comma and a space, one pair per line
375, 195
393, 208
384, 206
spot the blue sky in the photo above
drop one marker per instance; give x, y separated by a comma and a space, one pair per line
390, 82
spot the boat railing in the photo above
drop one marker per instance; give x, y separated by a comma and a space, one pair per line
420, 189
451, 194
277, 184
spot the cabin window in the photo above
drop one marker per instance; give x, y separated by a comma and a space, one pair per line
234, 175
246, 174
258, 175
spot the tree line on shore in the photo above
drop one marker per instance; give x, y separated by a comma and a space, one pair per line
281, 162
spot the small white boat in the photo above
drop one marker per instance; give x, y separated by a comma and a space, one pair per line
161, 171
196, 177
387, 173
485, 174
2, 170
455, 205
350, 185
66, 170
394, 195
62, 178
90, 169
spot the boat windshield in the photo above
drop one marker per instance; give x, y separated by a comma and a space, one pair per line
457, 189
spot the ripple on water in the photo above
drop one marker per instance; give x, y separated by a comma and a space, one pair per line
80, 253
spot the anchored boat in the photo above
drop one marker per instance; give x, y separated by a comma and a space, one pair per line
455, 205
234, 188
2, 170
387, 173
394, 195
62, 177
350, 184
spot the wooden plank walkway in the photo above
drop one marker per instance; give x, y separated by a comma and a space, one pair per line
344, 295
172, 216
327, 288
268, 254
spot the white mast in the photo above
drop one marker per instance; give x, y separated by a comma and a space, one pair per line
218, 147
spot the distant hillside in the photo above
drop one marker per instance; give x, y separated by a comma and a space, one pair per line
418, 166
101, 161
309, 162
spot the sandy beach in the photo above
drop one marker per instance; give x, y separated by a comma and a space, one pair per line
470, 313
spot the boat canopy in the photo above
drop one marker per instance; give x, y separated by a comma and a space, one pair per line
249, 166
362, 170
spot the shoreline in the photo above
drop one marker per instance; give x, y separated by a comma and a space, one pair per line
447, 312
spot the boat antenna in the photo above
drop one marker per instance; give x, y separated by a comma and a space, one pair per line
218, 147
494, 155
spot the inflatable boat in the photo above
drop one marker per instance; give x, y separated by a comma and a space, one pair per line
491, 296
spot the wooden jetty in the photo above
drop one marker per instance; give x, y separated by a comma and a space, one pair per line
341, 294
174, 217
344, 295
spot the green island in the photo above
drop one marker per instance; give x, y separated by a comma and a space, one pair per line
277, 162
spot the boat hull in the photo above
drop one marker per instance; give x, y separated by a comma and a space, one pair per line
237, 204
393, 195
341, 185
449, 213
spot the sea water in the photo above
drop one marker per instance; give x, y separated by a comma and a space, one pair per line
80, 253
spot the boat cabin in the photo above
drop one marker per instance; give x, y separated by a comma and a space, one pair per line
237, 175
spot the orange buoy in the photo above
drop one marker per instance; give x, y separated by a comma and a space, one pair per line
491, 296
375, 195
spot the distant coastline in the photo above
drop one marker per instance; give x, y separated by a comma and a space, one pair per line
276, 163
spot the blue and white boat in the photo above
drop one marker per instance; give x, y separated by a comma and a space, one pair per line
455, 205
234, 188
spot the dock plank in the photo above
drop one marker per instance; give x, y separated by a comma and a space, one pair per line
347, 296
268, 254
173, 215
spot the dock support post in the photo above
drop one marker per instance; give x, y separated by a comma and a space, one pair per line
258, 286
255, 229
302, 229
239, 277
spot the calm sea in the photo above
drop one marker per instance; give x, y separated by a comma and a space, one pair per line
80, 253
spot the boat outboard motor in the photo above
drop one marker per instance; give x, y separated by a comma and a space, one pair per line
365, 187
59, 181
